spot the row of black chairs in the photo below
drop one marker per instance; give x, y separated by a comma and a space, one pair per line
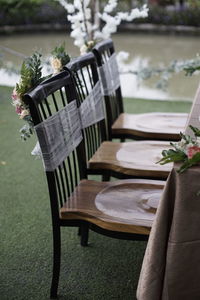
121, 209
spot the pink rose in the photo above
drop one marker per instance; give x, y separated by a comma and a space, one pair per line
15, 96
191, 151
18, 110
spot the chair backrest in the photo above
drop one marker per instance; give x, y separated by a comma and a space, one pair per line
90, 100
57, 124
106, 59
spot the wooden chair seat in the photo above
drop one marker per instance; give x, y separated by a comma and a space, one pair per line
124, 205
134, 159
156, 126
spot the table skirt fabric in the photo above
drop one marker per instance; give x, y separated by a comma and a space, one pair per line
171, 266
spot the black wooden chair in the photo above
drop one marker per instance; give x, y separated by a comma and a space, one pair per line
123, 209
148, 126
122, 160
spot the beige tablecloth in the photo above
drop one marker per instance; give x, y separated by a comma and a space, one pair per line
171, 266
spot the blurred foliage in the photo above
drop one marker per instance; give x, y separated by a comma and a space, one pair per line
188, 16
14, 6
194, 3
19, 2
166, 2
17, 12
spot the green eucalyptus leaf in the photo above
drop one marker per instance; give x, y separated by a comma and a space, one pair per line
195, 130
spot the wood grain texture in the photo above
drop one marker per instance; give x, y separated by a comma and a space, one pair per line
136, 159
160, 126
82, 205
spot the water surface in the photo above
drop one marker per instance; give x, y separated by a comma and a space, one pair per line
152, 49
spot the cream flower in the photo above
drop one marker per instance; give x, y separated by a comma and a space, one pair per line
24, 113
56, 64
83, 49
90, 44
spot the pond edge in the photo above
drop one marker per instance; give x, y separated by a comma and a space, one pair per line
128, 27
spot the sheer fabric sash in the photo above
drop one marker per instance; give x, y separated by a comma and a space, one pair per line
59, 135
109, 75
92, 108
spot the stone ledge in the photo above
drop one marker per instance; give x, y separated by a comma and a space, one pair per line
9, 29
128, 27
162, 29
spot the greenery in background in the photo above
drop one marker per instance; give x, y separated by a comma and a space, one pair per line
164, 73
188, 16
108, 269
194, 3
16, 12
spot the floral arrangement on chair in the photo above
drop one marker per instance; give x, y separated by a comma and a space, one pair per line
31, 76
59, 58
186, 151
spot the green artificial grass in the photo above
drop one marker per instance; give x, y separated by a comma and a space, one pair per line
107, 269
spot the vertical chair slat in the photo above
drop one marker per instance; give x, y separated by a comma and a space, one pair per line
75, 169
66, 178
47, 106
43, 111
58, 187
84, 82
92, 129
64, 197
79, 87
55, 102
70, 173
62, 97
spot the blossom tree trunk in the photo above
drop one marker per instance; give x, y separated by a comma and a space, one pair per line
95, 9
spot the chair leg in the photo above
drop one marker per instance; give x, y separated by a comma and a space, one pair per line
106, 176
84, 234
79, 231
56, 261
